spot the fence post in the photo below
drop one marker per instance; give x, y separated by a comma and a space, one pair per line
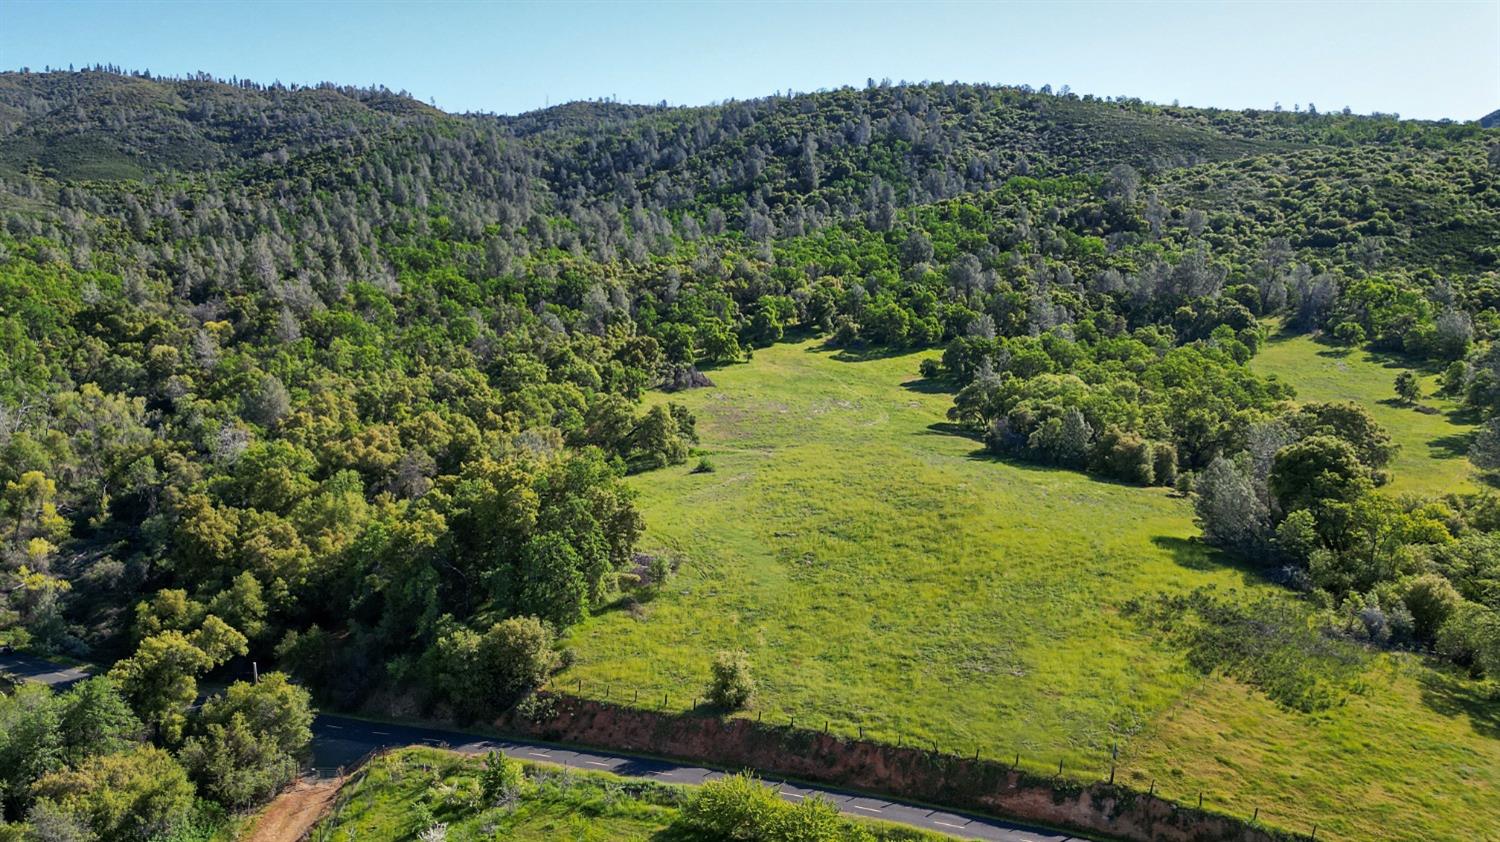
1016, 765
1059, 767
1200, 799
1255, 817
1314, 836
1152, 793
861, 732
1111, 773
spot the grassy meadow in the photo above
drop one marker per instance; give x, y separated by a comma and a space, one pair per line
883, 573
1432, 459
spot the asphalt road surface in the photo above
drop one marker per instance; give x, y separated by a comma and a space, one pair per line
341, 741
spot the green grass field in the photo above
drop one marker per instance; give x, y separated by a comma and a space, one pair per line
1433, 446
885, 574
403, 793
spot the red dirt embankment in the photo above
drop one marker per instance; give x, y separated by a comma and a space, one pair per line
290, 817
981, 785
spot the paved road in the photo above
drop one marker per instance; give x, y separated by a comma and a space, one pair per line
341, 740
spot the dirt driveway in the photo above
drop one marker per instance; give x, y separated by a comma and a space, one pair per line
292, 814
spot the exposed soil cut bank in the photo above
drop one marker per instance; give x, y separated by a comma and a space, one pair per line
982, 785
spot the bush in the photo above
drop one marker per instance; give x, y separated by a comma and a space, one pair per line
1349, 333
501, 779
704, 466
731, 687
134, 795
738, 807
1431, 599
733, 807
658, 571
1471, 636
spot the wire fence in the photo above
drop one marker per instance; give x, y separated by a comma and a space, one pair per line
1033, 763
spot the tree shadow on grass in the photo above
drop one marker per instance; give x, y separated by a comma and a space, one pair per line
948, 428
1448, 693
1467, 415
1452, 446
1335, 353
1394, 360
865, 354
929, 386
1194, 554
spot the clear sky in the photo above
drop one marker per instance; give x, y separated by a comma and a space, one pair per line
1419, 59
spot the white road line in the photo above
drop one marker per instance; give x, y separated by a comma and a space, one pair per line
948, 824
337, 727
381, 733
793, 795
867, 809
596, 763
538, 754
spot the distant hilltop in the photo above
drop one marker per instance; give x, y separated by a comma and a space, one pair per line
1490, 120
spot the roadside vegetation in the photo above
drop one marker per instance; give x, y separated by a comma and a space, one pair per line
434, 795
81, 765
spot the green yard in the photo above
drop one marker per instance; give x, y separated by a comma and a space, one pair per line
885, 574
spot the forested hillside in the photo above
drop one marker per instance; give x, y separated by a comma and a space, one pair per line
331, 379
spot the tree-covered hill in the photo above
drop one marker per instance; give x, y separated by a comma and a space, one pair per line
328, 376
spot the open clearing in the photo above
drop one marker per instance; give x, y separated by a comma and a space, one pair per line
884, 574
1432, 459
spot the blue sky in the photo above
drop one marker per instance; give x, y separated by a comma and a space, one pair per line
1419, 59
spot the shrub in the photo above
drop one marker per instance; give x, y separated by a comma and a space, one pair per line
733, 807
1431, 599
731, 687
501, 779
658, 570
1349, 333
739, 807
704, 466
1471, 636
134, 795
